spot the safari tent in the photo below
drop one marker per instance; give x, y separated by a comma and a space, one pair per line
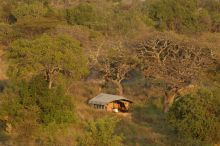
110, 102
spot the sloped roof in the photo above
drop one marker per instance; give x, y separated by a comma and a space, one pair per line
103, 99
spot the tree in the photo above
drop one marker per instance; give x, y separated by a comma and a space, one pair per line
101, 133
177, 15
125, 22
204, 20
196, 116
49, 56
178, 64
115, 64
55, 106
85, 14
213, 7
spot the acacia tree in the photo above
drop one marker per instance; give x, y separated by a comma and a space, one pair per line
115, 63
50, 56
178, 64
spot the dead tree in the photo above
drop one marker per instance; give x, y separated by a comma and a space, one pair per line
178, 64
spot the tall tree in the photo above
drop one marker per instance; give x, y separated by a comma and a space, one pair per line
50, 56
115, 63
178, 64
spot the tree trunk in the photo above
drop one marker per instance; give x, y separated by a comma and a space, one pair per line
168, 101
49, 79
169, 98
50, 84
119, 88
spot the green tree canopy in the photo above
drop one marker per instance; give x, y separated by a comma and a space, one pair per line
49, 56
178, 15
101, 133
88, 15
84, 14
195, 116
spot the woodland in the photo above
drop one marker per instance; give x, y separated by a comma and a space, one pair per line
55, 55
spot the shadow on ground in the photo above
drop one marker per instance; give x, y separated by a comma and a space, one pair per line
154, 128
3, 83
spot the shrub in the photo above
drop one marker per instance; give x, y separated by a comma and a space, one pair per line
204, 20
35, 10
125, 22
175, 15
107, 20
85, 14
56, 107
53, 105
216, 22
101, 133
195, 116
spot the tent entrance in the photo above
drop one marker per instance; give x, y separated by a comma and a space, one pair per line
120, 105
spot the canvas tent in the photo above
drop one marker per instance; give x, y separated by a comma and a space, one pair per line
110, 102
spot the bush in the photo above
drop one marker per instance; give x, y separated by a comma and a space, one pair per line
35, 10
204, 20
101, 133
177, 15
216, 22
195, 116
54, 106
125, 22
85, 14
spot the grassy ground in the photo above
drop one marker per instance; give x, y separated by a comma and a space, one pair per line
145, 125
2, 64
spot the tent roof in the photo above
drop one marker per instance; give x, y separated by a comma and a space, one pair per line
103, 99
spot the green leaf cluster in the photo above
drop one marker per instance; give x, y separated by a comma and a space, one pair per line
196, 116
88, 15
101, 133
60, 55
47, 106
174, 14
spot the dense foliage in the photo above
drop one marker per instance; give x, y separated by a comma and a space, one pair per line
50, 105
184, 16
101, 133
55, 55
48, 56
196, 116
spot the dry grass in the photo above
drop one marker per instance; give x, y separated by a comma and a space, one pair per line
3, 66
